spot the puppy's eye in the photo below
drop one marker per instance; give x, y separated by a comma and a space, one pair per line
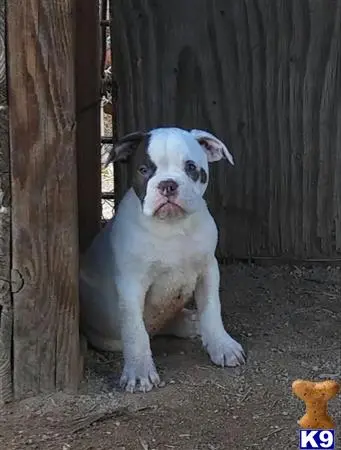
143, 170
190, 166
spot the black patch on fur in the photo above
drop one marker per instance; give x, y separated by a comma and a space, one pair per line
195, 173
192, 171
125, 147
203, 176
143, 168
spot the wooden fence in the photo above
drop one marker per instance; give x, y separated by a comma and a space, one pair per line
6, 310
265, 76
49, 109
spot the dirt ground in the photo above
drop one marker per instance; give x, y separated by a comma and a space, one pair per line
288, 319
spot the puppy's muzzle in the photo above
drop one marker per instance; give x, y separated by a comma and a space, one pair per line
168, 188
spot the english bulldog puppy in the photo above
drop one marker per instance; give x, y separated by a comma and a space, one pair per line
155, 253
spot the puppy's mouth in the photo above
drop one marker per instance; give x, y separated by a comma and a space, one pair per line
168, 210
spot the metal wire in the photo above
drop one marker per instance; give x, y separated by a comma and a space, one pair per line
105, 72
107, 198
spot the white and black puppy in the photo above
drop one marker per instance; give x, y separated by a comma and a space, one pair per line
158, 250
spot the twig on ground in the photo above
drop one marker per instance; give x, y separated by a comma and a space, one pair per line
332, 376
248, 392
275, 431
274, 403
144, 445
316, 280
85, 422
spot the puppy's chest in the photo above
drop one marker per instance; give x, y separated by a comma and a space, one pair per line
174, 267
168, 294
174, 272
170, 283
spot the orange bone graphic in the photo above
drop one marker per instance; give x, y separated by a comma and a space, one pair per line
316, 396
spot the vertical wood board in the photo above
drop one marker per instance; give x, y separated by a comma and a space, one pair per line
6, 311
41, 46
88, 100
263, 75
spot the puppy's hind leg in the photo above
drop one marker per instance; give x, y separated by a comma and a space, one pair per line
185, 325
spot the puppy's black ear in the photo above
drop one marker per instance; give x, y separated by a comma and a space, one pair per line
125, 146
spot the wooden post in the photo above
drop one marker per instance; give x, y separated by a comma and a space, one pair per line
88, 100
41, 42
6, 311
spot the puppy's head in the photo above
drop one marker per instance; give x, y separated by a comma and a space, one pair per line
170, 168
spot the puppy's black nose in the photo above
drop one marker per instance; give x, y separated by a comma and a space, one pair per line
168, 187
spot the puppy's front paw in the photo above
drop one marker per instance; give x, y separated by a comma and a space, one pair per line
140, 375
225, 351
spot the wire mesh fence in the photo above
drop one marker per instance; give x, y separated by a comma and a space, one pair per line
107, 174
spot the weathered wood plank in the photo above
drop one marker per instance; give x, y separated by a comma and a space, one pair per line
6, 311
265, 76
44, 195
88, 120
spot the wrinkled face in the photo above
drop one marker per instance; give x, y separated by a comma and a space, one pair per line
170, 170
171, 174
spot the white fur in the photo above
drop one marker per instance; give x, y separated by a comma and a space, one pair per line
138, 258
